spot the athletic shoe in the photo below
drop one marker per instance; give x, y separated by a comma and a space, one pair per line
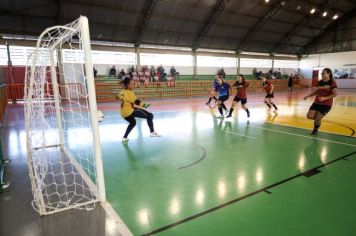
228, 116
314, 132
248, 115
208, 103
155, 134
125, 140
146, 105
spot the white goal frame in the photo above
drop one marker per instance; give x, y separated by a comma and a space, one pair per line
40, 152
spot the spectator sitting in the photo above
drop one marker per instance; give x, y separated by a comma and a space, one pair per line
132, 71
173, 72
122, 74
112, 72
133, 75
152, 73
162, 73
144, 75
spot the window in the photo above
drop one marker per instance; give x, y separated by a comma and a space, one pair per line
255, 63
19, 56
3, 55
208, 61
166, 59
285, 64
100, 57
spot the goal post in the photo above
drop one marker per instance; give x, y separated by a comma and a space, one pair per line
93, 107
62, 133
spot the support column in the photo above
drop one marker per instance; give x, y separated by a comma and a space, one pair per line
238, 63
138, 61
194, 63
272, 61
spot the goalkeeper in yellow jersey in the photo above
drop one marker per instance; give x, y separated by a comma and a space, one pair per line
131, 108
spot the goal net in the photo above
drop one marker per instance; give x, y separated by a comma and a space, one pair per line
63, 145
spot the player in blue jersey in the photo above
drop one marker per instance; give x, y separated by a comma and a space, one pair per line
212, 92
223, 90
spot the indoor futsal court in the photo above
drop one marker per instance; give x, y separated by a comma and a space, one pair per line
177, 117
212, 176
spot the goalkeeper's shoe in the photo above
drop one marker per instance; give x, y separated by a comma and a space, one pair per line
155, 134
125, 140
145, 105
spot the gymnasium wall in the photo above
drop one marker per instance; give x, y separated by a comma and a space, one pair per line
213, 70
248, 70
337, 62
341, 60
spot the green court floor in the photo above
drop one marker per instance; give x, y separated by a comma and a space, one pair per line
211, 176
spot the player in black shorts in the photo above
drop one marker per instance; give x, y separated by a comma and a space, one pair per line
325, 93
241, 95
269, 87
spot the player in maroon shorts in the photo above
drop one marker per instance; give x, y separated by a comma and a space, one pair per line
269, 87
241, 87
325, 93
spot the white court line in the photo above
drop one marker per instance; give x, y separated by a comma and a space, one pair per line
238, 134
122, 228
304, 136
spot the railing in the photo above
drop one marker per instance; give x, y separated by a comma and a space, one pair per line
106, 90
3, 104
15, 92
3, 100
346, 83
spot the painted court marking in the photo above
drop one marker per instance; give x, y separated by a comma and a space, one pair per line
121, 226
266, 189
242, 135
203, 152
305, 136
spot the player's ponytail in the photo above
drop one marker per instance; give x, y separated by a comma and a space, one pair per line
126, 81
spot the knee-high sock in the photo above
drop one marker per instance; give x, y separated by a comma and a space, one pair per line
223, 106
268, 104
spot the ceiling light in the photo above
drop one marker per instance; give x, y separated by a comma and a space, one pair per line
299, 7
266, 1
325, 13
335, 17
283, 3
312, 11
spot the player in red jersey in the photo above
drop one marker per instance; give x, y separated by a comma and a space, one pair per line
325, 93
241, 87
269, 87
